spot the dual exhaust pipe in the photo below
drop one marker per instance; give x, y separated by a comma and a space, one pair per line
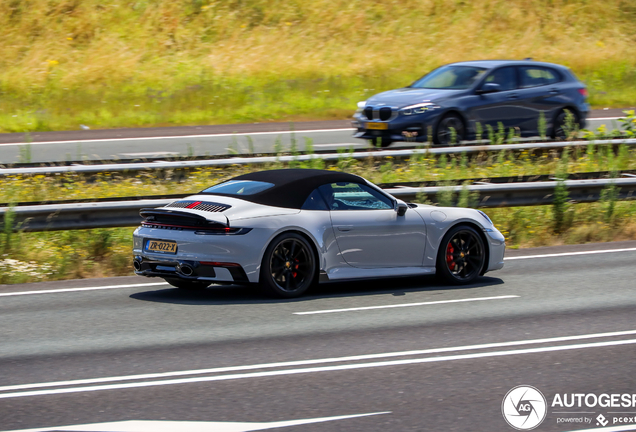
184, 269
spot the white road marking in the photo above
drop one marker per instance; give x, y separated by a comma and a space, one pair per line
603, 118
189, 426
178, 137
571, 254
304, 363
54, 291
318, 361
406, 305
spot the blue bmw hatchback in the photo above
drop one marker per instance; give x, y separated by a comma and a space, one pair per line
454, 98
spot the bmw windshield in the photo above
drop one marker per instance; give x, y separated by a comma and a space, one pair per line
450, 78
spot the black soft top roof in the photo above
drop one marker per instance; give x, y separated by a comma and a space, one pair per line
291, 186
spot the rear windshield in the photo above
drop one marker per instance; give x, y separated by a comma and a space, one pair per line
239, 187
450, 78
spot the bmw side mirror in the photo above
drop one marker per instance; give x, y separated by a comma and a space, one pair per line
401, 208
489, 88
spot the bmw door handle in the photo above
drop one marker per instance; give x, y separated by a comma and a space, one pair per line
513, 96
345, 228
554, 92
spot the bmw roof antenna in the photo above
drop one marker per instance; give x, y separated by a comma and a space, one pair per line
528, 59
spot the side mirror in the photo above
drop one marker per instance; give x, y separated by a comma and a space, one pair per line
401, 208
489, 88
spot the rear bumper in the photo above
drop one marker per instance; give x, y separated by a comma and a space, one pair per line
189, 270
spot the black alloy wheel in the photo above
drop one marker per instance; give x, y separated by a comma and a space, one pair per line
444, 132
289, 266
559, 131
191, 285
461, 256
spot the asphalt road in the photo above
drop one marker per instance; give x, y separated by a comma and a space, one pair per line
140, 143
415, 354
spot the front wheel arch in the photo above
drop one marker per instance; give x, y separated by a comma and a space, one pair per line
480, 233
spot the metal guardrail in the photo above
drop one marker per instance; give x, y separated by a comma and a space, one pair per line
526, 194
163, 165
53, 217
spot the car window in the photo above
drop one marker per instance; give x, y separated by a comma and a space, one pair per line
314, 201
354, 196
450, 78
506, 78
239, 187
537, 76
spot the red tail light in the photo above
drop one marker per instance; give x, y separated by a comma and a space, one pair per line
583, 92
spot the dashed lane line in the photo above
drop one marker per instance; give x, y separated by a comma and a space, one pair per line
406, 305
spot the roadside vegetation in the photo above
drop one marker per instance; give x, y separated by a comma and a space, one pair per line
423, 167
108, 63
30, 257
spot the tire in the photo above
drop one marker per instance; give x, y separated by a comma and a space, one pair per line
381, 142
288, 268
443, 136
558, 130
461, 257
187, 284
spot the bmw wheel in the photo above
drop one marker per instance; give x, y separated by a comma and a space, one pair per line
289, 266
187, 284
444, 131
461, 256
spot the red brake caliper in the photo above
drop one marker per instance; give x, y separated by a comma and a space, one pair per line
294, 274
449, 257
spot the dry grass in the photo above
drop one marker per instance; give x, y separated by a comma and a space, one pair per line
111, 63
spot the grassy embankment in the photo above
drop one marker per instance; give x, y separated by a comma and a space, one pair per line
106, 252
112, 63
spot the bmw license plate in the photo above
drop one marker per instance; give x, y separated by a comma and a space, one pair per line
162, 246
377, 126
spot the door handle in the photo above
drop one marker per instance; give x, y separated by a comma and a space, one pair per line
554, 92
345, 228
513, 96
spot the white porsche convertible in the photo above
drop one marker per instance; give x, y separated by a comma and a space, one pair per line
289, 229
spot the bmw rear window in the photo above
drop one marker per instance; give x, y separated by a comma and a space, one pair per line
239, 187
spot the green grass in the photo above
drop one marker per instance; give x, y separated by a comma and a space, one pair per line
146, 63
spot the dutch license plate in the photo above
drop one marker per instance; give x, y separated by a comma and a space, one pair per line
377, 126
161, 246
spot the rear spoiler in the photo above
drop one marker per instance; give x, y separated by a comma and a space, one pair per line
181, 218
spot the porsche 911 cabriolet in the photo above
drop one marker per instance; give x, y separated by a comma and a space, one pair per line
289, 229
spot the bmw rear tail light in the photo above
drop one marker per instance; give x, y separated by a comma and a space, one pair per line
583, 92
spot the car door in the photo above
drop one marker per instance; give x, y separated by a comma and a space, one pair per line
368, 230
540, 93
502, 106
